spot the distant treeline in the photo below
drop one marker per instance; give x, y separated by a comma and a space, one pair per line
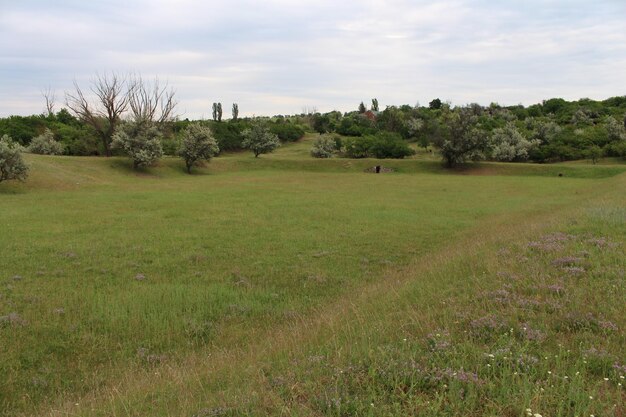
78, 138
554, 130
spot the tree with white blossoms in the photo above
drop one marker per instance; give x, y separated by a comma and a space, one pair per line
614, 129
12, 165
45, 144
259, 140
509, 144
141, 141
324, 146
198, 144
541, 130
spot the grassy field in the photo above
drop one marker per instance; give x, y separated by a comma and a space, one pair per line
285, 285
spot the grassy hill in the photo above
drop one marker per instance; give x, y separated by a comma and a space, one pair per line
285, 285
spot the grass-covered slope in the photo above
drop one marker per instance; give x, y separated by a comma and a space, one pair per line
285, 285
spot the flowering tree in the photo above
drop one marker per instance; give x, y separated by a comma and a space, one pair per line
12, 166
259, 140
197, 144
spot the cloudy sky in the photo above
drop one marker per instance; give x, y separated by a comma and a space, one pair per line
281, 56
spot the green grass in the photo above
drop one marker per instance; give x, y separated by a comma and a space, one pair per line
284, 285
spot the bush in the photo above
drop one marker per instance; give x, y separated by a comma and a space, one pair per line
390, 145
141, 141
12, 166
325, 146
45, 144
229, 135
382, 145
617, 149
197, 144
287, 132
358, 147
356, 125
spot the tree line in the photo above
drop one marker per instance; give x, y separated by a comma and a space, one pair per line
551, 131
127, 115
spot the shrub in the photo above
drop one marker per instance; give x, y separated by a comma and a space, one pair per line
197, 144
390, 145
141, 141
617, 149
12, 166
45, 144
382, 145
287, 132
358, 147
229, 135
325, 146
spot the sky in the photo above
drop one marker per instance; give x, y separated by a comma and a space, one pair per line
282, 57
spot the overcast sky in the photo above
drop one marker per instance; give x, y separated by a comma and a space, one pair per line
279, 56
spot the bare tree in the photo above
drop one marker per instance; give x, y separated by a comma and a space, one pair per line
104, 113
149, 102
50, 97
113, 96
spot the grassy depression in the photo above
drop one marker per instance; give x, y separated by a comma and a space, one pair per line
113, 279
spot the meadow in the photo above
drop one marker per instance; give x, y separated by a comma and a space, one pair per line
286, 285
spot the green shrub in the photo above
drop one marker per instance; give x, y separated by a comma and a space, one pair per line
229, 135
286, 131
358, 147
390, 145
382, 145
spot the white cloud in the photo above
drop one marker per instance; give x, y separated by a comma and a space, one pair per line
279, 56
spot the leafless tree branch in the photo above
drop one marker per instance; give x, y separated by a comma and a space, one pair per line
111, 100
151, 102
49, 96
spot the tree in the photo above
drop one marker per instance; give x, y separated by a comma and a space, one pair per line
235, 111
45, 144
260, 140
105, 113
594, 152
374, 104
197, 144
151, 103
542, 131
509, 144
141, 141
12, 165
219, 112
435, 104
461, 140
615, 131
362, 108
214, 112
50, 98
